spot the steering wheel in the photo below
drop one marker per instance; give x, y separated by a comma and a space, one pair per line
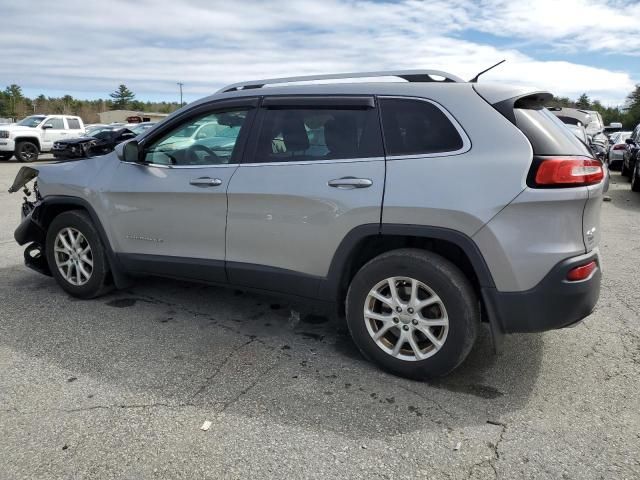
194, 159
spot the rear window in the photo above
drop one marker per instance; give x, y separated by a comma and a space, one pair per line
414, 127
547, 134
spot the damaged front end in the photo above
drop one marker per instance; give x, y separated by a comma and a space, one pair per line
31, 231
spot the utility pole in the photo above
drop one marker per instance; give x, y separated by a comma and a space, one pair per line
180, 84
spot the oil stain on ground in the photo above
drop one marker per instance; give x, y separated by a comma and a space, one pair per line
122, 302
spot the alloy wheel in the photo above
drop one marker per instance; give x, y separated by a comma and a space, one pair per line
73, 256
406, 318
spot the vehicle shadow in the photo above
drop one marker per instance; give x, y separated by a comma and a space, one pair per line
247, 355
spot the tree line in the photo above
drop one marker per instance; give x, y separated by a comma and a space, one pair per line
13, 104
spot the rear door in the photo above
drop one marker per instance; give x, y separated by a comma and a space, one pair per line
74, 127
315, 171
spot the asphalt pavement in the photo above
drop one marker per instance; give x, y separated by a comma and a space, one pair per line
118, 387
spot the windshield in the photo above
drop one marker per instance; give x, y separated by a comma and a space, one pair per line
94, 132
32, 121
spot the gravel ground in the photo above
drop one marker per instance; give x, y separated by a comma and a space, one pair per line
118, 387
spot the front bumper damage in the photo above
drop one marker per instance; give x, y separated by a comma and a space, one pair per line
30, 231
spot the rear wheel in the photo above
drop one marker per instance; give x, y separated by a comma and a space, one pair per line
26, 152
413, 313
6, 155
635, 178
76, 256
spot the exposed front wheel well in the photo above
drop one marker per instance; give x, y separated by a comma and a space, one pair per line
33, 140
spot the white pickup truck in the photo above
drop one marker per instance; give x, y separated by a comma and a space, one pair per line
35, 134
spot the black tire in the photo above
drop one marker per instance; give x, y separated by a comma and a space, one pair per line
447, 281
26, 151
635, 178
6, 156
80, 221
624, 171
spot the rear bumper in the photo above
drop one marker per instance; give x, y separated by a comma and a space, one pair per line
553, 303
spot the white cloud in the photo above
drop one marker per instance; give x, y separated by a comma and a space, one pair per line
150, 45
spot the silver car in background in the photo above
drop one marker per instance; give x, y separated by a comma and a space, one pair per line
617, 147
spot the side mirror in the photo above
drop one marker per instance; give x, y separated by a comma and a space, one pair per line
47, 126
129, 151
629, 141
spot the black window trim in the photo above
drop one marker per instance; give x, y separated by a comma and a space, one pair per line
208, 108
466, 141
334, 102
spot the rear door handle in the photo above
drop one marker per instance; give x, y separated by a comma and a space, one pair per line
348, 183
206, 182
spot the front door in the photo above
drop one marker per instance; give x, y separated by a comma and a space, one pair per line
315, 171
53, 129
168, 212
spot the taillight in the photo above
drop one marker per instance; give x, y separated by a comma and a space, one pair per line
582, 272
620, 146
556, 172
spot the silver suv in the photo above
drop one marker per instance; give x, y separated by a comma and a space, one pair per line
422, 207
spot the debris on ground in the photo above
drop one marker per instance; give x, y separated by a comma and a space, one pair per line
205, 426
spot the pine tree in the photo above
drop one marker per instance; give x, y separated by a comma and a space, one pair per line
121, 98
583, 101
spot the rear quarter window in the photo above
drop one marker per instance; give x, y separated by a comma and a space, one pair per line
414, 127
547, 134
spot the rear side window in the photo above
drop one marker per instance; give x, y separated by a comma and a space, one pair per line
73, 123
304, 134
414, 127
547, 134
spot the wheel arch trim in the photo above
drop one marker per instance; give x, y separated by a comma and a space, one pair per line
42, 219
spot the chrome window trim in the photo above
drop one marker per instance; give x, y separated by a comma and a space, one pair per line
466, 141
182, 167
315, 162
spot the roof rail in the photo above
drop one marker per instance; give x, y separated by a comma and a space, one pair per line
408, 75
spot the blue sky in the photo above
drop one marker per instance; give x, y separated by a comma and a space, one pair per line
86, 49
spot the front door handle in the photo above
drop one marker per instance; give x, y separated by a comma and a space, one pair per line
347, 183
205, 182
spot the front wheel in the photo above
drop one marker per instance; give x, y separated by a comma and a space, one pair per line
26, 152
413, 312
76, 256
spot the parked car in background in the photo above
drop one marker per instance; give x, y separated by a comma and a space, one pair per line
93, 126
617, 147
630, 155
491, 209
579, 131
613, 127
140, 128
99, 142
36, 134
635, 177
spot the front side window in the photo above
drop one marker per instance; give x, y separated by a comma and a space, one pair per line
304, 134
206, 140
414, 127
54, 123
